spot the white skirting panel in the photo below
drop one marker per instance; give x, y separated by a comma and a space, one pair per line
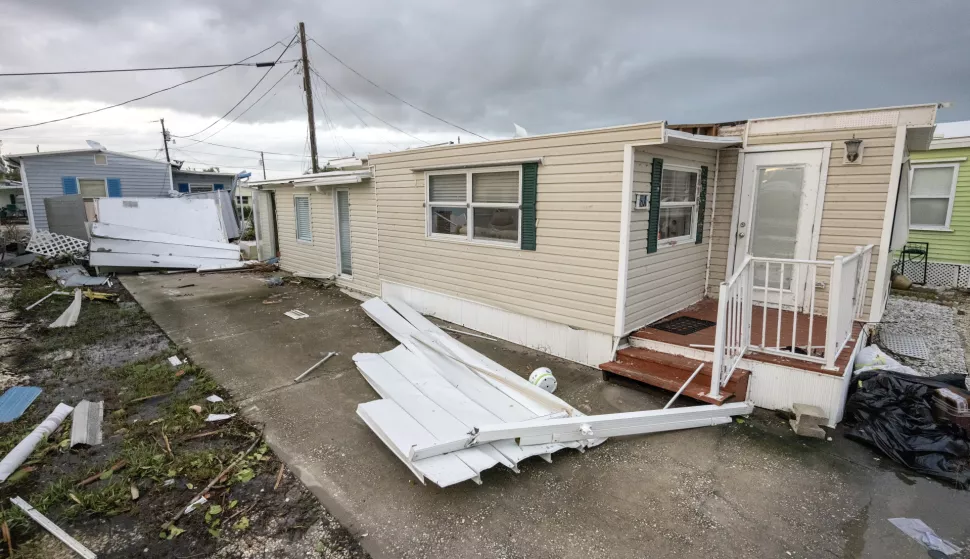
582, 346
776, 387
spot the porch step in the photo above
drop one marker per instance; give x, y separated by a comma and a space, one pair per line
669, 372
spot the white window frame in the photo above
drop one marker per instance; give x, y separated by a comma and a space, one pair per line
104, 155
336, 235
211, 187
296, 219
470, 207
79, 179
674, 241
914, 165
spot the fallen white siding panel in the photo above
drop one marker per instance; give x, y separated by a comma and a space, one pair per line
389, 383
113, 231
613, 424
400, 432
99, 244
70, 315
126, 260
189, 217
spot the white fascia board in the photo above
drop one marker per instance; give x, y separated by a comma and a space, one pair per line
627, 423
678, 138
496, 163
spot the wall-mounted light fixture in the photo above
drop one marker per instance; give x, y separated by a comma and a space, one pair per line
853, 150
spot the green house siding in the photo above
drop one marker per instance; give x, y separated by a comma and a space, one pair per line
953, 245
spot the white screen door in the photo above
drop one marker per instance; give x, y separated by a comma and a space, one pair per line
777, 215
343, 233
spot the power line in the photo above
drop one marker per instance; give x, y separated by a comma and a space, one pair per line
368, 80
237, 117
362, 121
136, 98
152, 69
337, 91
333, 128
230, 165
248, 93
192, 150
239, 148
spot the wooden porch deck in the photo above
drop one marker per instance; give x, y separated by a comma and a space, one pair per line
707, 310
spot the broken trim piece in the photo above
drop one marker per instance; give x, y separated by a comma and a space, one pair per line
86, 423
54, 529
70, 315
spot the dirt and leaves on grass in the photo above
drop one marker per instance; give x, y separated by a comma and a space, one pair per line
165, 482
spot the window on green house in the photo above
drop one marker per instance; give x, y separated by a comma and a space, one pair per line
931, 195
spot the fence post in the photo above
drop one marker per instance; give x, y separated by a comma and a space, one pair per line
832, 320
720, 335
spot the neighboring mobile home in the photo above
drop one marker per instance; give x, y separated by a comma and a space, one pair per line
939, 180
768, 240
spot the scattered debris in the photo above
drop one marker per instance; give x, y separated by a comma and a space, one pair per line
919, 531
196, 408
53, 245
511, 419
195, 504
149, 397
86, 423
296, 314
45, 297
279, 476
91, 295
542, 377
16, 457
808, 421
273, 281
70, 315
16, 400
74, 276
467, 333
948, 406
105, 474
214, 399
315, 365
175, 361
219, 416
60, 355
892, 412
134, 492
53, 528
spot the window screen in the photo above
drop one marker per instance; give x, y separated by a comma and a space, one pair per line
92, 188
302, 213
678, 186
496, 188
448, 188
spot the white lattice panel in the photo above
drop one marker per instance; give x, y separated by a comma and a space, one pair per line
54, 244
942, 274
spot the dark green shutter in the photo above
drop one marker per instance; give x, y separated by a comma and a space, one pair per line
701, 204
656, 173
530, 179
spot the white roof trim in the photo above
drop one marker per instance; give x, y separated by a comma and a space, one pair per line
329, 178
678, 138
912, 116
207, 173
496, 163
950, 143
80, 151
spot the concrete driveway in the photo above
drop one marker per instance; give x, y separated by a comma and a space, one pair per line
741, 490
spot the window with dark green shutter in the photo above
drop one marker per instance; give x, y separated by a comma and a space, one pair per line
487, 205
677, 200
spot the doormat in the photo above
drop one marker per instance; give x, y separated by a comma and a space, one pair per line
684, 325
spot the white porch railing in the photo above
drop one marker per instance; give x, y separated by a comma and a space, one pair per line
781, 295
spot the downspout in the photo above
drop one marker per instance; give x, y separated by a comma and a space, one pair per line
27, 201
710, 238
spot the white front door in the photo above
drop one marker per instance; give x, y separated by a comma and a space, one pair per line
778, 215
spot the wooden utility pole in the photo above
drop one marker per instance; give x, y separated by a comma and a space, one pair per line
309, 101
262, 161
165, 139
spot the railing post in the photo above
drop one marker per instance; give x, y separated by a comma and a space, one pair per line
720, 335
832, 321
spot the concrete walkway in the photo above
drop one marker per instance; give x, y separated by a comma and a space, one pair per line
741, 490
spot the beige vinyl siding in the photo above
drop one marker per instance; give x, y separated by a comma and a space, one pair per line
571, 276
672, 278
318, 256
855, 194
720, 207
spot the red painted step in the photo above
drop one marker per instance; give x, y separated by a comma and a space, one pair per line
669, 372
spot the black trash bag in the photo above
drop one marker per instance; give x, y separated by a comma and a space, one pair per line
893, 412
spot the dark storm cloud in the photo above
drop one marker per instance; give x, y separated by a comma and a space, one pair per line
547, 65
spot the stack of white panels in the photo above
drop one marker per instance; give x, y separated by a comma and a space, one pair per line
435, 390
134, 247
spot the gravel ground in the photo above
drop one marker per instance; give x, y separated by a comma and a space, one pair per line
940, 327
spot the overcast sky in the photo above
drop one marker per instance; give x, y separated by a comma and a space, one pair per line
549, 66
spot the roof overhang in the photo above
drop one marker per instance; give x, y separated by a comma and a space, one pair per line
494, 163
950, 143
678, 138
329, 178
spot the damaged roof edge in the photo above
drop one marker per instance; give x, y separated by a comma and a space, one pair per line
328, 178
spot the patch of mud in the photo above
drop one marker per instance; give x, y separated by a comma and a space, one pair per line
118, 353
